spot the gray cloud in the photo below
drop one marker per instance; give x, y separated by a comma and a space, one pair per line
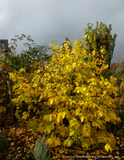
56, 19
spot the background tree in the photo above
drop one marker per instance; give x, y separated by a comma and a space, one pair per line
117, 70
98, 40
34, 53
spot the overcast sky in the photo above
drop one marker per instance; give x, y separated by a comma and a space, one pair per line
46, 20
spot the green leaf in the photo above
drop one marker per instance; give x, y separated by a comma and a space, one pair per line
86, 58
72, 75
77, 142
18, 116
82, 75
34, 128
29, 126
48, 158
16, 35
88, 24
97, 24
14, 103
23, 35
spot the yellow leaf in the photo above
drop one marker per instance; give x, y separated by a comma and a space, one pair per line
58, 93
35, 85
84, 89
50, 118
77, 111
71, 132
72, 123
34, 109
101, 139
40, 98
51, 101
108, 147
86, 144
57, 46
29, 107
25, 115
61, 151
100, 113
12, 143
22, 70
48, 129
82, 118
68, 142
95, 124
63, 115
45, 118
57, 142
73, 65
76, 84
50, 95
67, 66
50, 141
38, 71
54, 41
38, 111
58, 118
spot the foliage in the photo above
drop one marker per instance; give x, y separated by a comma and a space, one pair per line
20, 141
117, 70
67, 42
4, 143
77, 97
30, 59
17, 143
26, 80
5, 88
99, 44
34, 53
113, 67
